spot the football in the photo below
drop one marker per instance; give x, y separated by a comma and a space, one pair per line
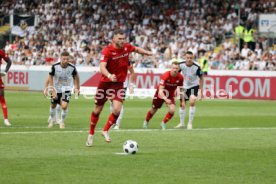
130, 147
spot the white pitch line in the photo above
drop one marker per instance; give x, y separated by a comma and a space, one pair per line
134, 130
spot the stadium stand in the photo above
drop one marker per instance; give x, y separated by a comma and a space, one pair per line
167, 27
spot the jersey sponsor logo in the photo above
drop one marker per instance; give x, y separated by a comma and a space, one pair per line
125, 49
121, 56
113, 53
170, 84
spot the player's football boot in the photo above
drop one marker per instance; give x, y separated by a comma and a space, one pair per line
189, 126
116, 127
145, 125
89, 141
163, 125
106, 136
7, 123
50, 123
61, 125
179, 126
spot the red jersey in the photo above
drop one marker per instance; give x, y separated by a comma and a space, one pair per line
117, 61
170, 83
3, 55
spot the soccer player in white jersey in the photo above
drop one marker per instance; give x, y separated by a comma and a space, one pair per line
57, 118
193, 83
131, 87
61, 77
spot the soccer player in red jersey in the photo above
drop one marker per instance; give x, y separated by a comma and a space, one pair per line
114, 65
4, 57
165, 92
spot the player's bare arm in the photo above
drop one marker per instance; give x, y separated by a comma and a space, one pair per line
8, 61
77, 84
51, 85
131, 80
200, 87
46, 86
143, 51
105, 72
162, 95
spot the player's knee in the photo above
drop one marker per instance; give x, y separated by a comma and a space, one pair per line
192, 104
64, 108
171, 111
116, 112
153, 110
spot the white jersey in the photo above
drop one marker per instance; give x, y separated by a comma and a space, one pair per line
63, 77
191, 74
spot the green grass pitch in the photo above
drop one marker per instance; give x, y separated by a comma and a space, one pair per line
233, 142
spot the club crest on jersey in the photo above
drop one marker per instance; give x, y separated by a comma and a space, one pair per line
125, 49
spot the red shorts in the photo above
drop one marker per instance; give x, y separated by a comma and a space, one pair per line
109, 91
1, 83
158, 102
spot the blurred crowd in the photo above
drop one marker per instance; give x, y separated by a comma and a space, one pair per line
168, 28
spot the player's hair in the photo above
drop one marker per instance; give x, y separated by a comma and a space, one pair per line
175, 63
118, 31
189, 52
65, 53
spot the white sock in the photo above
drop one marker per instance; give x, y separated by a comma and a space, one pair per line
58, 111
63, 114
192, 114
118, 122
53, 113
182, 113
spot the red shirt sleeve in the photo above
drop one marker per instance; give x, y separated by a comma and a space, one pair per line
163, 79
3, 55
105, 55
181, 80
130, 47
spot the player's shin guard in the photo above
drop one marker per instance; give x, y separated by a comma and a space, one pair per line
192, 114
167, 117
64, 114
58, 112
149, 116
93, 122
111, 120
182, 113
4, 107
53, 113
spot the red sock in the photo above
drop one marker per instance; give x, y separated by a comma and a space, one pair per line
4, 107
149, 116
111, 120
167, 117
93, 122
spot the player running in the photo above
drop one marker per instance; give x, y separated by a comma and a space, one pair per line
4, 57
192, 86
113, 67
60, 83
165, 92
